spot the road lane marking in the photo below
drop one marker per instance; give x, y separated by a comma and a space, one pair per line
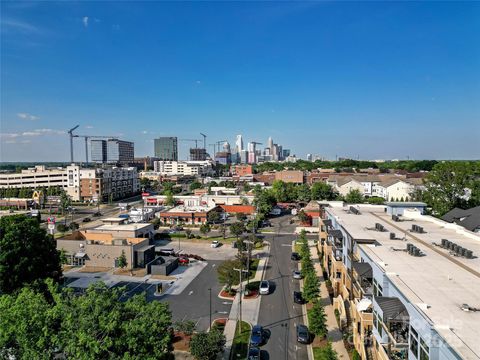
226, 303
191, 292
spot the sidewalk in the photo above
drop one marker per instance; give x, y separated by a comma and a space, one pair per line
250, 307
334, 333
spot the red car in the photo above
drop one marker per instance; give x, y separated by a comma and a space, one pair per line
183, 260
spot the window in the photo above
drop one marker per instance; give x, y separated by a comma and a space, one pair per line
424, 350
413, 341
377, 288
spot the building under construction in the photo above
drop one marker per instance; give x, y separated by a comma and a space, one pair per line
198, 154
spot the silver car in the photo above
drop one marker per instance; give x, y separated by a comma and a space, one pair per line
297, 274
264, 287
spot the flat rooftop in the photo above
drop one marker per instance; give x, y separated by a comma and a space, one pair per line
189, 209
438, 283
121, 227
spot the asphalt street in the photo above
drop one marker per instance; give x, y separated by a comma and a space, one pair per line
194, 303
278, 313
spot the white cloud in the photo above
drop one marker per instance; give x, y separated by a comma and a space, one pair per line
144, 132
89, 127
50, 131
9, 135
31, 133
27, 116
19, 26
85, 21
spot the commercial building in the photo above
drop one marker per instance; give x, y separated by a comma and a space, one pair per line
405, 287
188, 214
112, 151
166, 148
103, 246
182, 167
242, 170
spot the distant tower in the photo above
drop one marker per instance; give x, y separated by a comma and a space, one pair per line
270, 144
252, 156
309, 157
226, 147
239, 144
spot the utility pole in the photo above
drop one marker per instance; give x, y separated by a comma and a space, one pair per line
210, 297
248, 242
240, 303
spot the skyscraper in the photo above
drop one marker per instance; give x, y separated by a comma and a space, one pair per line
112, 151
239, 144
166, 148
270, 145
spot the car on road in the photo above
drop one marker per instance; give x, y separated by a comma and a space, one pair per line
298, 297
297, 274
295, 256
253, 353
303, 335
87, 219
264, 287
215, 244
258, 336
183, 260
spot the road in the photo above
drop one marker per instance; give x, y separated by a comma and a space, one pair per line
278, 313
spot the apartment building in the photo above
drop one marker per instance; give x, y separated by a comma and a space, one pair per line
405, 287
166, 148
188, 168
81, 184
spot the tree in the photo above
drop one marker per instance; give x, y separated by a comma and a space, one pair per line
207, 346
318, 320
65, 201
446, 185
354, 196
27, 253
279, 190
264, 201
213, 217
303, 217
227, 275
326, 353
73, 226
195, 185
169, 201
237, 229
311, 286
376, 200
144, 183
122, 260
303, 193
205, 228
92, 326
62, 254
186, 326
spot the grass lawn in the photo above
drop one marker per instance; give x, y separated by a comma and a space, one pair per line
324, 353
240, 341
297, 247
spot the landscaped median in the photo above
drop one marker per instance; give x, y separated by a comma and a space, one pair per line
316, 318
241, 341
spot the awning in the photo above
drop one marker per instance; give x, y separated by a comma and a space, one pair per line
364, 304
80, 255
392, 309
335, 233
363, 269
327, 222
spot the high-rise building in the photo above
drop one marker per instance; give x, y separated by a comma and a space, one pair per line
166, 148
112, 151
309, 157
239, 144
198, 154
244, 157
252, 153
98, 149
270, 145
285, 153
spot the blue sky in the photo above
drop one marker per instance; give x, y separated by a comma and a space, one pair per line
357, 79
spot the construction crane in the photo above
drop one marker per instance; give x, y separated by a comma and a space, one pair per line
86, 137
217, 143
204, 141
70, 132
196, 141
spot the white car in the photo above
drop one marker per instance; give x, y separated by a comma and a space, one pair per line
297, 275
264, 287
215, 244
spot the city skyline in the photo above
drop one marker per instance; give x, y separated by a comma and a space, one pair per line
328, 78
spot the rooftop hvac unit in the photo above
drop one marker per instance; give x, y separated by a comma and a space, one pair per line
409, 248
392, 236
416, 252
414, 228
444, 243
454, 247
354, 210
468, 254
395, 218
449, 245
420, 229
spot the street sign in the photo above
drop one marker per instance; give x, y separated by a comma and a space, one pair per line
51, 220
51, 228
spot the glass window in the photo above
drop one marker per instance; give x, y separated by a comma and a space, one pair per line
414, 342
424, 350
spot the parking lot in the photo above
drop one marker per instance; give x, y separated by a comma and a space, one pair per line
201, 248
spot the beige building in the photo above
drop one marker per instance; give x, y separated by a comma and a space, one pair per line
102, 246
189, 168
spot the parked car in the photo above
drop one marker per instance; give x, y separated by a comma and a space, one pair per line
295, 256
215, 244
167, 252
258, 336
183, 260
297, 274
264, 287
298, 297
303, 335
87, 219
253, 353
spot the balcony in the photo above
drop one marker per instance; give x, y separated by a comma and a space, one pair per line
362, 280
393, 321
